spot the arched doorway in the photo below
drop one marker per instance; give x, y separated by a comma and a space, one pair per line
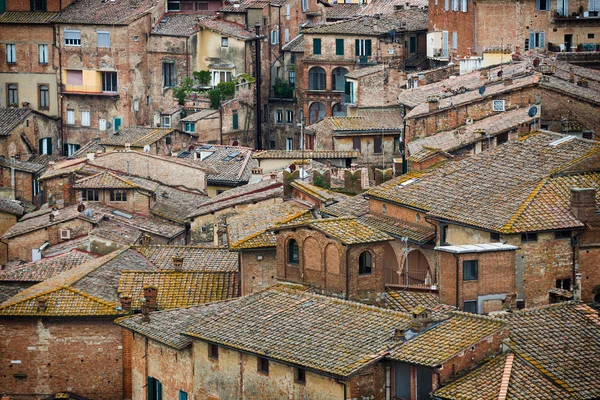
316, 112
338, 79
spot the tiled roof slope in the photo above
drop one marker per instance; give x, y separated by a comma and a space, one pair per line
371, 120
251, 229
563, 341
399, 228
371, 26
227, 28
179, 289
11, 207
10, 117
182, 24
502, 189
390, 6
121, 12
406, 301
296, 45
26, 17
93, 146
233, 164
156, 225
197, 116
590, 94
451, 336
194, 258
354, 206
25, 166
294, 326
298, 154
104, 180
360, 72
46, 268
312, 190
342, 11
137, 136
524, 380
347, 230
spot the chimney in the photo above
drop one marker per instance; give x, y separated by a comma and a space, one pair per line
483, 75
126, 303
177, 263
583, 203
42, 304
583, 83
51, 217
90, 156
145, 240
508, 81
421, 318
273, 176
577, 288
399, 335
150, 293
571, 75
434, 103
145, 313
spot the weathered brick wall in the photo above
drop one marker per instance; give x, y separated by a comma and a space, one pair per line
54, 355
33, 128
369, 383
556, 106
463, 23
257, 274
24, 5
370, 93
61, 187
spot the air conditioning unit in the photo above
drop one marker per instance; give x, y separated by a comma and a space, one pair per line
65, 234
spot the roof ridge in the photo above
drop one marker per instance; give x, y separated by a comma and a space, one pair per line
508, 227
543, 371
268, 228
89, 296
508, 363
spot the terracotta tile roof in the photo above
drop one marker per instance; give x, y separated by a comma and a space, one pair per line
252, 228
19, 165
360, 72
342, 11
194, 258
104, 180
116, 232
451, 336
354, 206
11, 207
202, 114
182, 24
564, 86
563, 341
458, 138
25, 17
179, 289
414, 232
312, 154
369, 120
92, 146
407, 300
387, 7
428, 152
122, 12
46, 268
227, 28
64, 168
371, 26
296, 45
138, 136
10, 117
46, 159
507, 189
348, 230
525, 381
232, 164
254, 192
287, 323
316, 192
244, 5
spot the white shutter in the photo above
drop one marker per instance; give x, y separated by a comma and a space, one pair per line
102, 124
103, 39
542, 43
464, 5
454, 40
287, 12
445, 43
71, 117
85, 118
287, 35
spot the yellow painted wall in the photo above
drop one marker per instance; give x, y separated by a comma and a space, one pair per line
211, 52
27, 84
92, 82
211, 191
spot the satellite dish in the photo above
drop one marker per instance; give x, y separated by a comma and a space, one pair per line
536, 62
532, 111
81, 207
89, 213
235, 143
292, 168
500, 73
147, 148
482, 90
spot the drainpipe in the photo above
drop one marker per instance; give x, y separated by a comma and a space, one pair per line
575, 262
456, 258
60, 85
347, 290
388, 381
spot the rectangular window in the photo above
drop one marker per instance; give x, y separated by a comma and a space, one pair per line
102, 124
136, 105
498, 105
189, 127
70, 117
300, 375
446, 5
292, 78
289, 144
397, 144
494, 237
173, 6
274, 37
470, 306
470, 270
537, 39
44, 97
46, 146
454, 40
363, 47
36, 5
168, 74
220, 76
356, 143
562, 234
235, 120
118, 195
287, 12
443, 234
72, 38
11, 53
89, 195
463, 7
116, 124
71, 149
183, 395
377, 145
339, 47
542, 5
413, 44
213, 351
263, 365
154, 388
279, 116
317, 46
304, 5
224, 41
166, 121
289, 116
103, 39
529, 237
286, 35
109, 82
349, 92
74, 77
43, 53
85, 118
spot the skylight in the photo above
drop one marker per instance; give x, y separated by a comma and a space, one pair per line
408, 182
562, 140
232, 156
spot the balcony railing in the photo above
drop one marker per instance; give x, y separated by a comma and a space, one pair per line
414, 279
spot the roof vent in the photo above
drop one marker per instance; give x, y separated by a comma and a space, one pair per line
562, 140
122, 214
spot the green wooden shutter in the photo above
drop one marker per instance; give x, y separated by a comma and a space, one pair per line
317, 46
2, 6
31, 5
357, 47
235, 121
339, 47
368, 46
44, 5
150, 388
116, 124
158, 390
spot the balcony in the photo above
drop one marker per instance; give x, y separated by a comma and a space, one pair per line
86, 90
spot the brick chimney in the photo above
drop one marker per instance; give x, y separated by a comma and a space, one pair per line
177, 263
42, 304
145, 313
434, 103
145, 240
150, 294
577, 287
51, 217
399, 335
421, 319
583, 203
508, 81
126, 303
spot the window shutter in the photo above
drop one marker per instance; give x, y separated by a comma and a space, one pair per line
446, 5
532, 40
150, 388
49, 141
287, 12
445, 43
368, 46
235, 121
158, 390
454, 40
347, 88
542, 43
357, 47
31, 5
339, 47
464, 5
44, 5
537, 4
317, 46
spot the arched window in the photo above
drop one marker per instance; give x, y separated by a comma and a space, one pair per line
365, 263
316, 112
316, 78
338, 79
339, 110
293, 252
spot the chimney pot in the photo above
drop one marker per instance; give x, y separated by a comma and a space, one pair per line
126, 303
399, 334
577, 288
145, 313
150, 294
177, 263
583, 203
42, 304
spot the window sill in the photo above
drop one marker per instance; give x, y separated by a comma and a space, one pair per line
291, 265
11, 63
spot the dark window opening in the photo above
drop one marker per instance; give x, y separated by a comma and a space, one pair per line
443, 234
365, 263
562, 234
563, 284
529, 237
213, 351
109, 81
118, 195
168, 74
494, 237
154, 389
501, 138
89, 195
470, 306
470, 270
293, 252
263, 365
300, 375
356, 144
377, 145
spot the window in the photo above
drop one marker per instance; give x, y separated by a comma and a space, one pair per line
349, 92
397, 145
220, 76
590, 35
316, 46
11, 53
363, 47
300, 375
263, 365
338, 79
37, 5
316, 78
562, 234
563, 284
168, 140
46, 146
43, 53
85, 118
454, 40
168, 74
287, 12
117, 123
501, 138
562, 7
356, 143
470, 268
102, 124
279, 116
412, 44
289, 144
292, 78
70, 117
183, 395
537, 39
118, 195
154, 388
136, 105
377, 145
528, 237
292, 59
498, 105
463, 5
109, 81
286, 35
443, 234
293, 252
70, 149
44, 97
74, 77
213, 351
166, 121
274, 37
103, 39
542, 5
304, 5
365, 263
339, 47
89, 195
72, 38
494, 237
289, 116
224, 41
235, 120
189, 127
470, 306
447, 5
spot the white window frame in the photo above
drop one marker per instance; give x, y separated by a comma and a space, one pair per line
44, 148
289, 116
274, 37
85, 117
136, 105
43, 53
70, 117
286, 36
165, 121
287, 12
304, 5
215, 75
74, 39
289, 144
362, 47
454, 40
464, 5
71, 149
498, 105
11, 53
102, 124
279, 116
100, 34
